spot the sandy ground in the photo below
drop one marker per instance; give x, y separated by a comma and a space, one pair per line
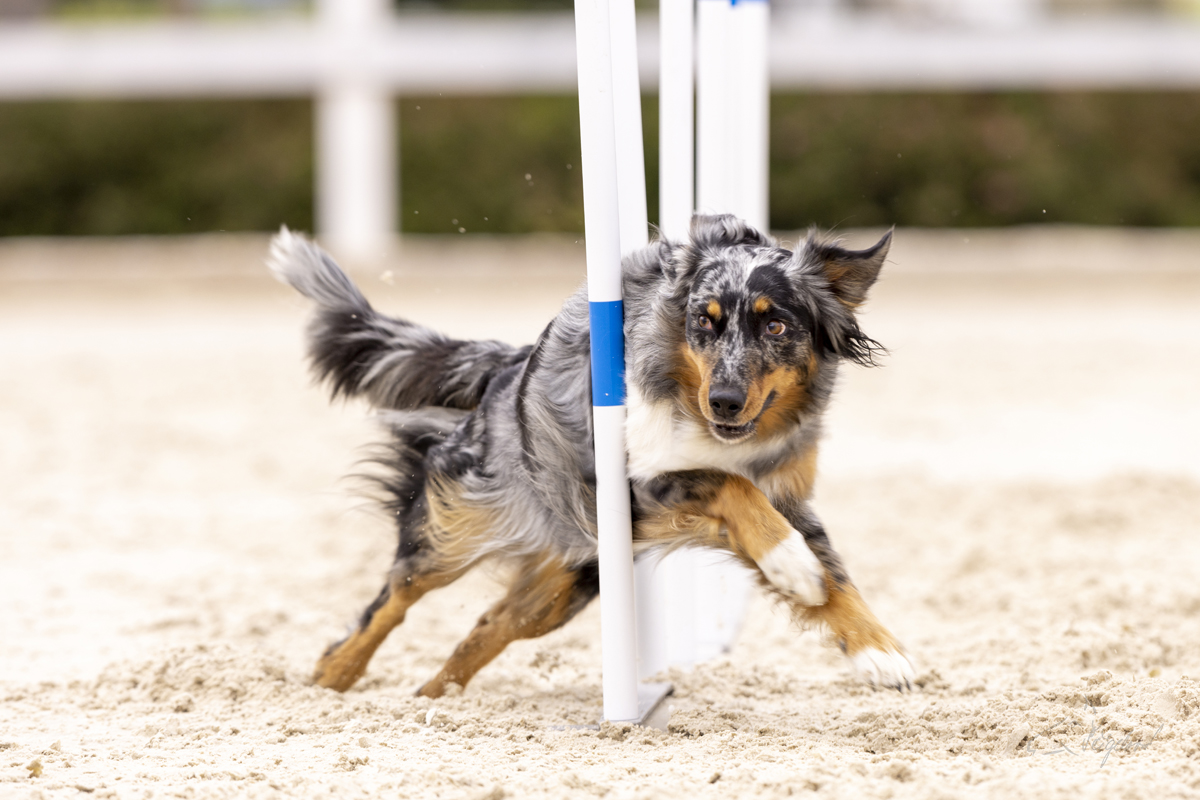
1017, 493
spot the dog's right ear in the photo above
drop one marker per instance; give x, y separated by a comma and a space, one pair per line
714, 231
851, 272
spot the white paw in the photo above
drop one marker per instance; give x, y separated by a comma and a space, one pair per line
792, 568
884, 669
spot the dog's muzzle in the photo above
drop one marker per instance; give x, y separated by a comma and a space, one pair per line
733, 433
725, 404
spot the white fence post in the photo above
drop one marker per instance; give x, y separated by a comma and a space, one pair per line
356, 181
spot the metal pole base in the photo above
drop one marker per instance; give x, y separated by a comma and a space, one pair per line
653, 709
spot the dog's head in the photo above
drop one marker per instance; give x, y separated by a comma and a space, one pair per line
762, 323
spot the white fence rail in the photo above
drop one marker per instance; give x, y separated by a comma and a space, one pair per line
354, 55
533, 53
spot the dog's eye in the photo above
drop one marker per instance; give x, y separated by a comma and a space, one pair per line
776, 328
703, 322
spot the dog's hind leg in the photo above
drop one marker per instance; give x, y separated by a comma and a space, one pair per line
344, 662
543, 596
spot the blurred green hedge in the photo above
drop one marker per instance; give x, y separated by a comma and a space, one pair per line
511, 164
986, 159
100, 168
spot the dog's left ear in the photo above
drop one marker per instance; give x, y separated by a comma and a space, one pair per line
851, 272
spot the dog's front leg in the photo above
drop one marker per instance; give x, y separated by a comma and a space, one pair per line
874, 652
716, 509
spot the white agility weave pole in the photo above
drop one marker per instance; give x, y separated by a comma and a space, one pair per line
666, 586
750, 97
676, 130
674, 628
614, 199
692, 602
598, 139
732, 108
627, 117
713, 20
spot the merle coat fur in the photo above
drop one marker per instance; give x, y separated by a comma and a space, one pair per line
732, 350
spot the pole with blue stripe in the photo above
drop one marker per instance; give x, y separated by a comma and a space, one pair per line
598, 138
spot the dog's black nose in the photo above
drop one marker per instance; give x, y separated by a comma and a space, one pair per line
726, 401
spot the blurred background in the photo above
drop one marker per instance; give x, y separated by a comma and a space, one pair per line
1126, 152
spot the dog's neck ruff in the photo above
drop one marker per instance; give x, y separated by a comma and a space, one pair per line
660, 439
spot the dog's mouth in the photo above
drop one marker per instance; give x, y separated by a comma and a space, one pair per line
736, 433
733, 433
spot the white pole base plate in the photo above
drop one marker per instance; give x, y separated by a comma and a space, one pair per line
653, 709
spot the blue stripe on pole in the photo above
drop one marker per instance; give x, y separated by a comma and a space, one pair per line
608, 353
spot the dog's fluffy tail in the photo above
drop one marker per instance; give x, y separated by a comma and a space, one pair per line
393, 363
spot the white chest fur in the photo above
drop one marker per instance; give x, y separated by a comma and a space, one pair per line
658, 440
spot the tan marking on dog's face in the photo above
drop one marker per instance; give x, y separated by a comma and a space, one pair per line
757, 393
698, 370
713, 309
853, 625
766, 368
791, 396
694, 376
